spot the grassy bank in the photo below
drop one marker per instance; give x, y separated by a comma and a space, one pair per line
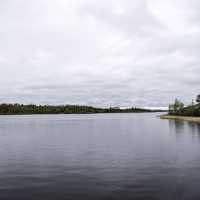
182, 118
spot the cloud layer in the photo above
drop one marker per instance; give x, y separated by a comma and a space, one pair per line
102, 53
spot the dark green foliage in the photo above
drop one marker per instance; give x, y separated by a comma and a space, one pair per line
198, 98
178, 109
193, 110
9, 109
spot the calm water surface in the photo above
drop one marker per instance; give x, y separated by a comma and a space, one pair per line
112, 156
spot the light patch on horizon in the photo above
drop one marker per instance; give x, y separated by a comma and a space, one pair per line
101, 53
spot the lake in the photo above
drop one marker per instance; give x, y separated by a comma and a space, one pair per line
98, 156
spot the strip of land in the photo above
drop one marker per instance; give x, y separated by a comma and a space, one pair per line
182, 118
20, 109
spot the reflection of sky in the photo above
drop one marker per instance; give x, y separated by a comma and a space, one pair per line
116, 156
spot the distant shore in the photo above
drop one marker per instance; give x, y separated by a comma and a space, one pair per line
182, 118
30, 109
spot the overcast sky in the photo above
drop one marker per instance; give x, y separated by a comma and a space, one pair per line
99, 52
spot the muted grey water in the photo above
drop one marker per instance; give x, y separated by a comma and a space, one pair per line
111, 156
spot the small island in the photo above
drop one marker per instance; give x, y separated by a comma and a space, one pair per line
21, 109
178, 111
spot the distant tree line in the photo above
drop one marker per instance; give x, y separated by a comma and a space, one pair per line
178, 108
10, 109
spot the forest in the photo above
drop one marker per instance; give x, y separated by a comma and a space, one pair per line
178, 108
20, 109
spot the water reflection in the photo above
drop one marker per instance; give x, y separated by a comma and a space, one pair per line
181, 128
121, 156
177, 125
194, 127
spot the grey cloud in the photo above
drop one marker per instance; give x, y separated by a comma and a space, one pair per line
103, 53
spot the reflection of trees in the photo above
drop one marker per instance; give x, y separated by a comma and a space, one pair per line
198, 128
192, 126
177, 125
195, 128
181, 127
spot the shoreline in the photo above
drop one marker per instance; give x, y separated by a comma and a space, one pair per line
31, 114
181, 118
